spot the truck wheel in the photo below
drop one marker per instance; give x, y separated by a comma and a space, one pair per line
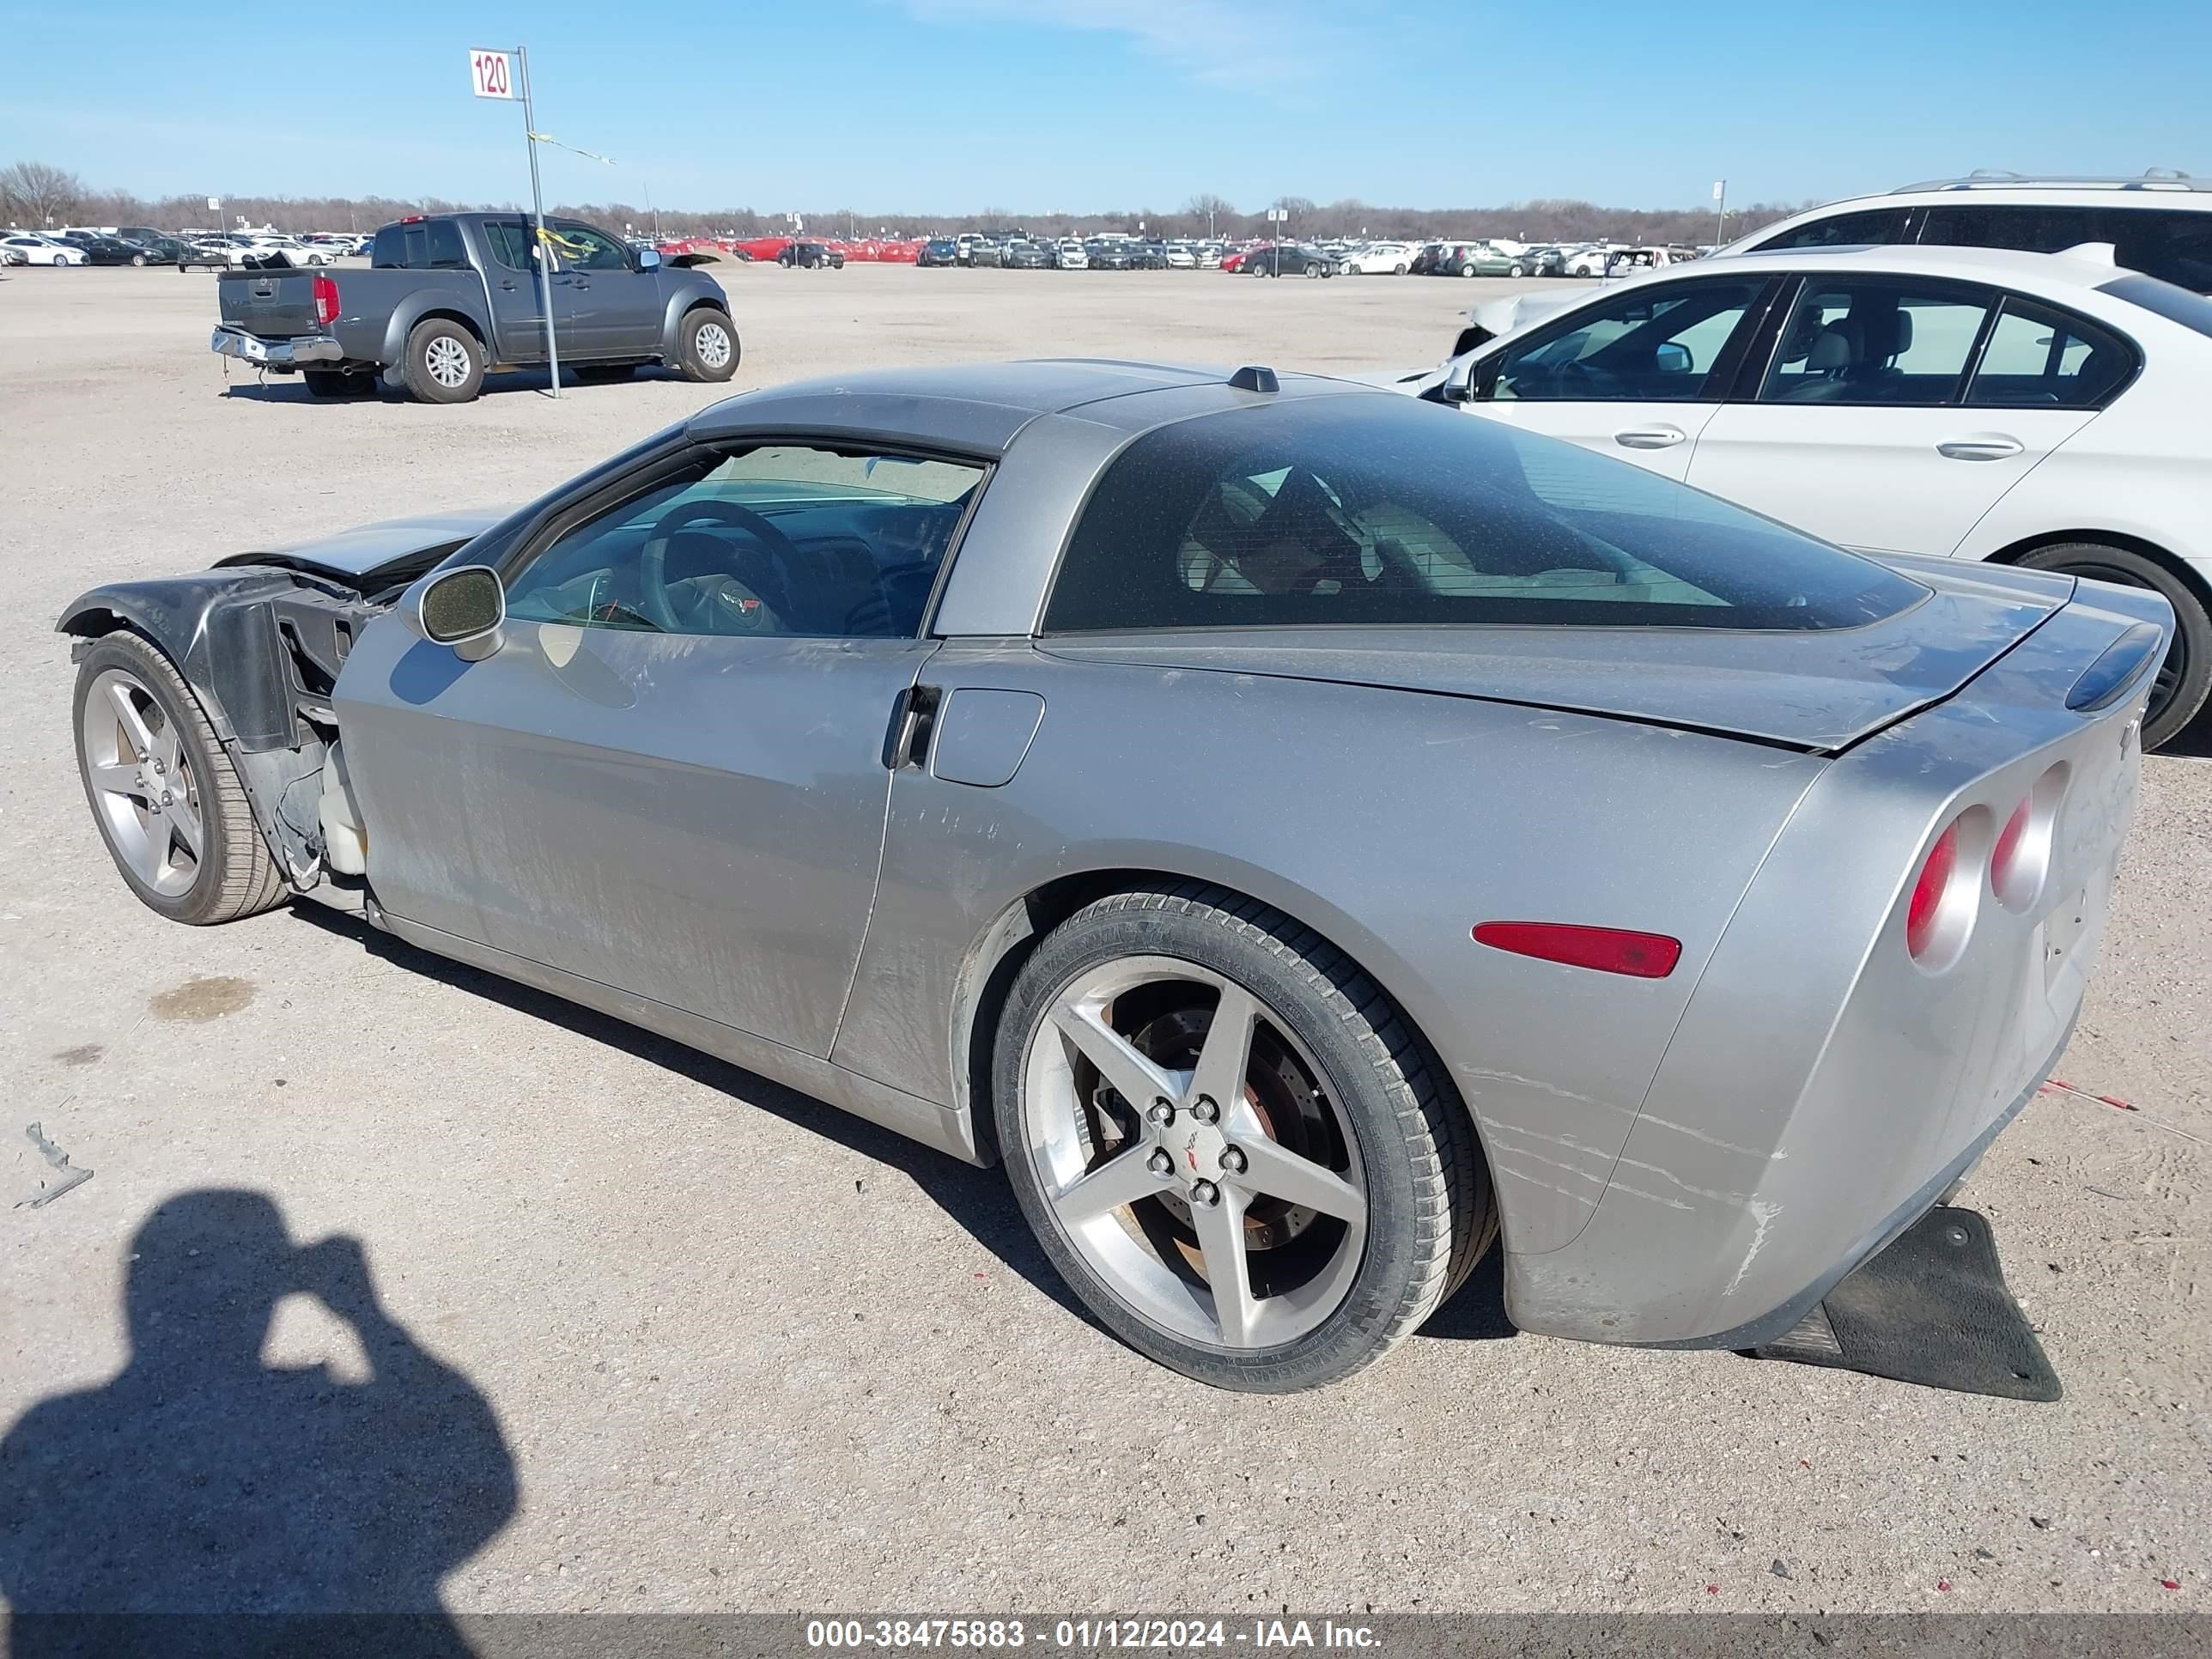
708, 348
444, 364
162, 791
336, 383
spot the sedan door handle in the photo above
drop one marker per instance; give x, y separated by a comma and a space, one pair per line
1649, 437
1994, 447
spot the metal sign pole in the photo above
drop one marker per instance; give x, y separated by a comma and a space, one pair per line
544, 242
1720, 212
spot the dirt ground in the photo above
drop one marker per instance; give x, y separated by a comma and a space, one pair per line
648, 1332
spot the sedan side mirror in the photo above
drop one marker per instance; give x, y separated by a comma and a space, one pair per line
648, 258
1460, 383
1673, 357
463, 607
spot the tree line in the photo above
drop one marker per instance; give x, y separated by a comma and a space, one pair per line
37, 195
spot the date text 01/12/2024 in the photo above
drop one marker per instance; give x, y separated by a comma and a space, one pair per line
1081, 1635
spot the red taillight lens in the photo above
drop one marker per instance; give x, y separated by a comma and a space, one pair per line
2006, 853
1928, 892
326, 301
1609, 949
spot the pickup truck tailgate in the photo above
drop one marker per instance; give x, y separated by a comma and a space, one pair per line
276, 305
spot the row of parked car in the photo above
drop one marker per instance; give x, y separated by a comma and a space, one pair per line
142, 244
1018, 250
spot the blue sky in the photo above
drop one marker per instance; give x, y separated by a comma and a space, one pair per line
1092, 105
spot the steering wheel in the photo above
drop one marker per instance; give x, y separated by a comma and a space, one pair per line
1578, 382
652, 558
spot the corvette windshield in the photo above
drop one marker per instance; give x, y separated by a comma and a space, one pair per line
1377, 511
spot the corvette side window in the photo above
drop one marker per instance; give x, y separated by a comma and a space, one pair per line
779, 539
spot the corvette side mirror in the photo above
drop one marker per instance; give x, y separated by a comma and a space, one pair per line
463, 607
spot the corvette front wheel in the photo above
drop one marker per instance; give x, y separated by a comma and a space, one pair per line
162, 790
1231, 1144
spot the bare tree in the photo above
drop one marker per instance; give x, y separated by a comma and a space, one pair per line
1210, 210
38, 194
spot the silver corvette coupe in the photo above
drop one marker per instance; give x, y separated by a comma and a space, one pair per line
1306, 835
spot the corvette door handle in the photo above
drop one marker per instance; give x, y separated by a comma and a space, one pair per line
1649, 437
1992, 448
913, 712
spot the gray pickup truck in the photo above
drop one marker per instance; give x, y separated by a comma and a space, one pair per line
449, 296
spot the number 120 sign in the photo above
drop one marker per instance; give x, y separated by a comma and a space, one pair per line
493, 72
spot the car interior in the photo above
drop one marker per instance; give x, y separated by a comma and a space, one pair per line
803, 555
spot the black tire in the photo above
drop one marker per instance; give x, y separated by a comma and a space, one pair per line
706, 348
1515, 270
604, 373
138, 259
1429, 1211
236, 876
336, 383
451, 344
2184, 679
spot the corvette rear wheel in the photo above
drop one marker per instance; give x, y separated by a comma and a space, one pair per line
162, 792
1231, 1143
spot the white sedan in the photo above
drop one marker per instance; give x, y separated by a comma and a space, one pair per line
44, 251
2036, 410
1379, 259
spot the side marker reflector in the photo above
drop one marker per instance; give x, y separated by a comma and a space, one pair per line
1609, 949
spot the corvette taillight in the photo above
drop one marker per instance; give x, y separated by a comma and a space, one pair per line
1924, 914
326, 301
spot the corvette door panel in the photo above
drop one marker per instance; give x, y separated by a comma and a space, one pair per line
694, 819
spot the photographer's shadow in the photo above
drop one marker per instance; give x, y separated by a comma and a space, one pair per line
200, 1481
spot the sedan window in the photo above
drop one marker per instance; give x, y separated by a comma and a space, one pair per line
2038, 357
1358, 511
1875, 340
775, 540
1659, 345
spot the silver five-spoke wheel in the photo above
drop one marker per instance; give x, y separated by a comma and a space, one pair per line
1230, 1142
142, 783
1187, 1144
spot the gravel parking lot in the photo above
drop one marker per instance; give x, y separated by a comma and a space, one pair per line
744, 1353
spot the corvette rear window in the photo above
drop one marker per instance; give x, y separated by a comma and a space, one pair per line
1376, 511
